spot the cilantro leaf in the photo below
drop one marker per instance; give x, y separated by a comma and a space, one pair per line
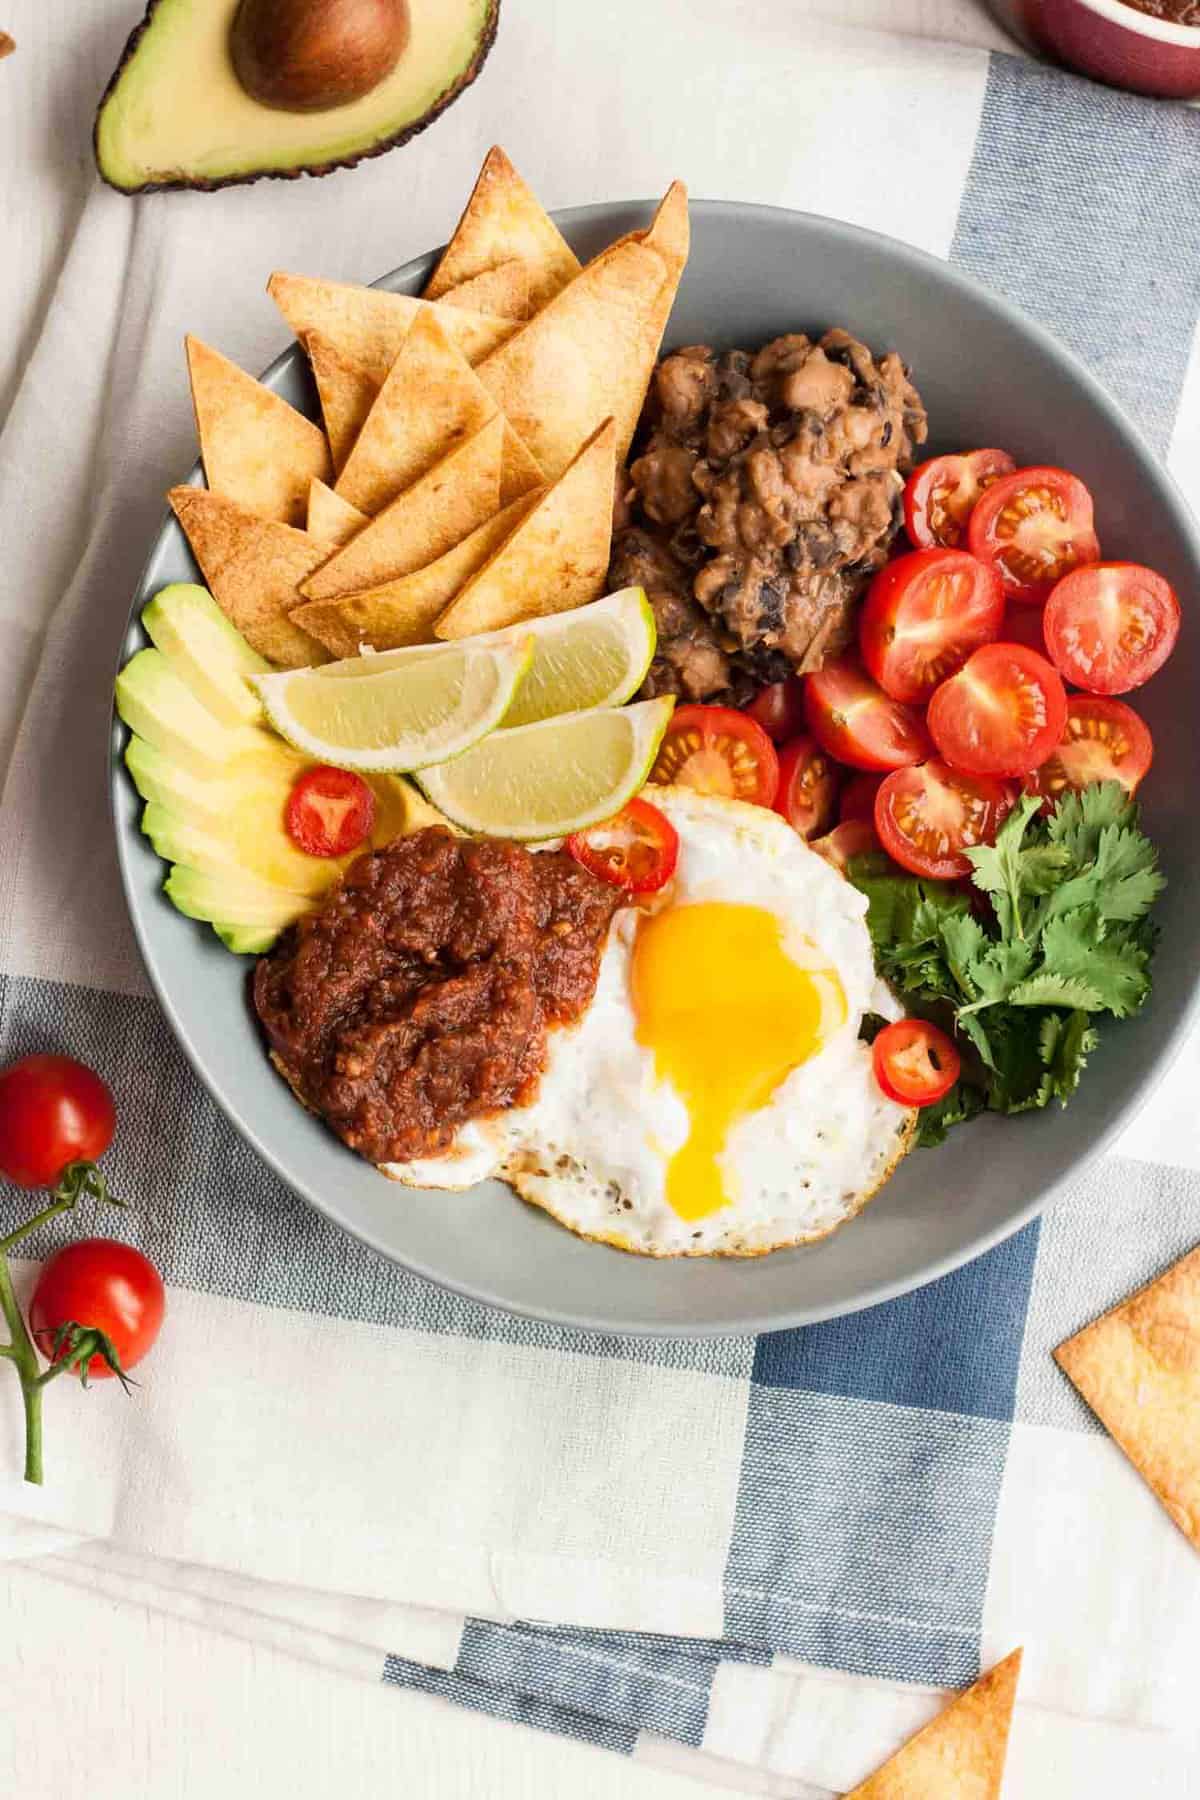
1065, 1044
1077, 947
964, 1101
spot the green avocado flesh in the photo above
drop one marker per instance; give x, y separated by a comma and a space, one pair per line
216, 789
175, 115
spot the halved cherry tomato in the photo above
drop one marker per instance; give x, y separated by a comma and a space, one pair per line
1002, 714
915, 1062
1034, 526
1104, 741
104, 1284
779, 709
808, 787
717, 750
853, 837
926, 817
329, 811
637, 850
939, 495
923, 615
1110, 626
856, 722
858, 797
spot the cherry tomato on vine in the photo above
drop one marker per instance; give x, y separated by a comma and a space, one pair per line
54, 1111
104, 1285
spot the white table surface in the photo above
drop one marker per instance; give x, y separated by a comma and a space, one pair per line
111, 1699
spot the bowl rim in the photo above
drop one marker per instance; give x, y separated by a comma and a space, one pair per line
748, 1322
1132, 19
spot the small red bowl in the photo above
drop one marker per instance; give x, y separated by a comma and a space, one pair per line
1111, 42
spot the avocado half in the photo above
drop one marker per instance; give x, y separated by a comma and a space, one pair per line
174, 114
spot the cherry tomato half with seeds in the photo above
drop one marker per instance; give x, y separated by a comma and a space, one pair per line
54, 1111
104, 1284
718, 750
940, 495
857, 723
329, 811
1104, 740
1034, 527
915, 1062
1002, 714
1111, 626
928, 816
853, 837
858, 798
923, 615
779, 709
808, 787
636, 850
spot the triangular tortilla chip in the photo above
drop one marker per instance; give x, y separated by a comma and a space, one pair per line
258, 451
431, 401
332, 520
253, 568
422, 523
404, 611
368, 325
502, 291
960, 1754
519, 473
346, 392
556, 559
1138, 1368
504, 220
590, 353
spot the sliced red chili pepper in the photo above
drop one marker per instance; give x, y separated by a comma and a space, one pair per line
915, 1062
635, 851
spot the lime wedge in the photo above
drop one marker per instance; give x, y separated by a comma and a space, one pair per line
596, 655
407, 716
544, 780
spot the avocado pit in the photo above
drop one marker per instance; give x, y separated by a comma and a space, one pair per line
313, 55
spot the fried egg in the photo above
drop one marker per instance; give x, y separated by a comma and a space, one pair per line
716, 1097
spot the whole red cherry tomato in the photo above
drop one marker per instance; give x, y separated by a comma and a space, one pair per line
54, 1111
104, 1285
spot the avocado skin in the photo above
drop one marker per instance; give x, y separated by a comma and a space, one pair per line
486, 40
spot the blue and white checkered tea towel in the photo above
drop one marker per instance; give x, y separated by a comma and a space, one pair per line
760, 1561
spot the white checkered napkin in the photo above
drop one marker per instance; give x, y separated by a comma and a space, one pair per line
764, 1562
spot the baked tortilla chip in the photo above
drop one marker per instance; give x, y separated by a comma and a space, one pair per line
502, 291
405, 611
346, 392
519, 472
556, 559
431, 401
422, 523
1138, 1368
258, 451
253, 568
960, 1754
368, 325
332, 520
589, 354
504, 221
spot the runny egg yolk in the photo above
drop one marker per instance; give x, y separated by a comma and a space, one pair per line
728, 1014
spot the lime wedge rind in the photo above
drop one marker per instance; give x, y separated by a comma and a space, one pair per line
548, 779
401, 719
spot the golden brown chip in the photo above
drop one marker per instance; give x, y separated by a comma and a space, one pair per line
258, 451
332, 520
368, 325
589, 354
346, 391
253, 568
422, 523
519, 472
431, 401
502, 291
404, 611
556, 559
960, 1754
1138, 1368
504, 220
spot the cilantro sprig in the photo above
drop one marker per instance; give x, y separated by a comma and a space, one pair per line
1053, 934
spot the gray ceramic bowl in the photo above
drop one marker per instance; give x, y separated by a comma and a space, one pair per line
989, 376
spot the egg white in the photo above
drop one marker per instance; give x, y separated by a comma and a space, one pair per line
593, 1146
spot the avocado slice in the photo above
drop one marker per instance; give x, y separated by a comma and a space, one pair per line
176, 115
231, 899
155, 701
210, 654
246, 940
